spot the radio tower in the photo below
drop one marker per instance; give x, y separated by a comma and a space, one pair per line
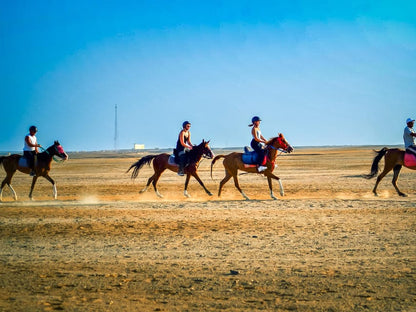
115, 129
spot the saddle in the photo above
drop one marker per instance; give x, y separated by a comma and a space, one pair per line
174, 158
409, 159
23, 162
251, 158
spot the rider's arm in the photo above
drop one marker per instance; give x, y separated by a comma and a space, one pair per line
30, 143
258, 139
182, 139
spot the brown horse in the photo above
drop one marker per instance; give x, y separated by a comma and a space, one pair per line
233, 162
393, 160
42, 168
161, 163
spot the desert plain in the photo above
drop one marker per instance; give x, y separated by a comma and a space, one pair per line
328, 244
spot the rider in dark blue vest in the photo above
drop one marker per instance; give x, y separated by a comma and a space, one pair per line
183, 145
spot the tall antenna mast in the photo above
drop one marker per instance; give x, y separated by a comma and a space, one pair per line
115, 129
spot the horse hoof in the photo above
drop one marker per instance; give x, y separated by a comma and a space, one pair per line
403, 195
209, 193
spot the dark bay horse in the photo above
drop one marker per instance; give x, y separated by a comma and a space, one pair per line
393, 160
161, 163
42, 168
233, 162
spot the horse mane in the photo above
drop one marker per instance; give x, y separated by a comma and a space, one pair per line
272, 140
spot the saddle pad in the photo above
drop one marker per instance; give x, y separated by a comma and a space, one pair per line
23, 162
250, 158
171, 160
409, 160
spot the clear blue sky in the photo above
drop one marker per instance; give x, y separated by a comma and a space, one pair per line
321, 72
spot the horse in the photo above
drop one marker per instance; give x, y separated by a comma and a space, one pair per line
161, 163
233, 162
393, 160
42, 168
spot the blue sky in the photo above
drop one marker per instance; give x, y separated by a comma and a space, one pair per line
321, 72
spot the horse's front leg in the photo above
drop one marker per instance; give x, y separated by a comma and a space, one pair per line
185, 192
32, 187
196, 176
271, 176
55, 191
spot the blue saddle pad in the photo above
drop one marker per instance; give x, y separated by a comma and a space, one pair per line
171, 160
23, 162
250, 158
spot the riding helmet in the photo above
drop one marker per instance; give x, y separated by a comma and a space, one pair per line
255, 118
33, 128
185, 123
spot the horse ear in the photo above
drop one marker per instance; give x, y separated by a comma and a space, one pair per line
56, 142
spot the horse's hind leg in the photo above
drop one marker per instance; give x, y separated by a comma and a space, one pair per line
7, 181
380, 177
148, 183
237, 185
396, 171
223, 181
156, 177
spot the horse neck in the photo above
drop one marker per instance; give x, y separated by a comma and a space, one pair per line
196, 154
47, 155
272, 152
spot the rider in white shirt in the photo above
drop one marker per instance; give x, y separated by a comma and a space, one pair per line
30, 149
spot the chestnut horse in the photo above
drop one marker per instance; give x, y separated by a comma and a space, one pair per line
393, 160
161, 163
42, 168
233, 162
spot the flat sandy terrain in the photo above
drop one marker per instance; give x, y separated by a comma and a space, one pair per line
327, 245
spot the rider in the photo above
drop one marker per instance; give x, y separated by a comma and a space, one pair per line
256, 142
409, 136
183, 145
30, 149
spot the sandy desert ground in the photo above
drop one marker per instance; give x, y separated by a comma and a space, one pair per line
327, 245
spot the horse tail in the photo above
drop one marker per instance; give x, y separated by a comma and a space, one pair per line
139, 164
374, 166
214, 160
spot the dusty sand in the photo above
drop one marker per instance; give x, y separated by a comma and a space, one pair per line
327, 245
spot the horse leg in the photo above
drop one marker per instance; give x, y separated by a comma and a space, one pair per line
7, 181
380, 177
148, 183
271, 176
32, 187
55, 191
223, 181
237, 185
156, 177
196, 176
396, 171
185, 192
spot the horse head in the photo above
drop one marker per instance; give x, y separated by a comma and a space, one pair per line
201, 150
207, 152
280, 142
57, 150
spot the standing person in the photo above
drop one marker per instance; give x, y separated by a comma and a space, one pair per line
30, 149
409, 136
257, 141
183, 145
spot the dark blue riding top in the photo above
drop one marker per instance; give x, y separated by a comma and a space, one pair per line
179, 146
